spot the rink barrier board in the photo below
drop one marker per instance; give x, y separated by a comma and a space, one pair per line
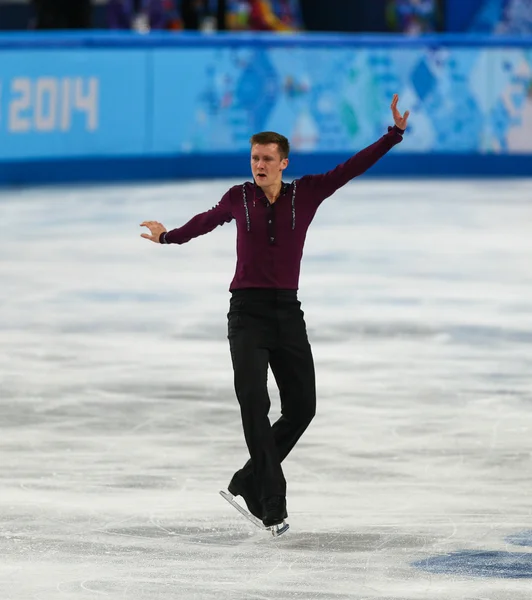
101, 106
105, 170
185, 39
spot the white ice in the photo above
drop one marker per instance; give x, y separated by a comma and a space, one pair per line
118, 421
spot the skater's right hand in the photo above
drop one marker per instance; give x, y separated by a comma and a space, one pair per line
155, 228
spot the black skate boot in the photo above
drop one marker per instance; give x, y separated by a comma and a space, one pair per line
245, 488
274, 511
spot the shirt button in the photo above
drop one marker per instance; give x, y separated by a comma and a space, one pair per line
272, 239
270, 221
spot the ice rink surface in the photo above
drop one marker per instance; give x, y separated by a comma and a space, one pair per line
119, 424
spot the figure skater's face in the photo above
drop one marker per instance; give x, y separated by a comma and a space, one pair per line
267, 165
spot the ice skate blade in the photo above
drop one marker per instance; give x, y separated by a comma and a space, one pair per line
231, 499
278, 530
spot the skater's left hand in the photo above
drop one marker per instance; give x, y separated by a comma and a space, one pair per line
400, 121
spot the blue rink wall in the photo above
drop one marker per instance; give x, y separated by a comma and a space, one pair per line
105, 106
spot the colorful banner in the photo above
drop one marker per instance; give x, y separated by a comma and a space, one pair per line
75, 103
177, 99
462, 100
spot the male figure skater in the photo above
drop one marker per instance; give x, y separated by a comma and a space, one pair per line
265, 321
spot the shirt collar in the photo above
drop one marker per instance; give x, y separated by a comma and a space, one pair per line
259, 193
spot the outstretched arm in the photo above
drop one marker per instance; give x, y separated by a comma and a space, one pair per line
198, 225
325, 185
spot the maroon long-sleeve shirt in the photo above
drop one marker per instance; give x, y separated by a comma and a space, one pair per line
270, 237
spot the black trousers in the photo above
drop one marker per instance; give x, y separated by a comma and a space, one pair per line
267, 328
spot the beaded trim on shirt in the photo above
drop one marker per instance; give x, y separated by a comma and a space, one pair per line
246, 208
248, 222
294, 206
